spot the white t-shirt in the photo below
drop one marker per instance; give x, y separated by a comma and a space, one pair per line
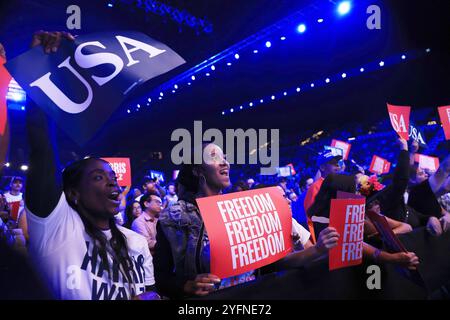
72, 266
300, 231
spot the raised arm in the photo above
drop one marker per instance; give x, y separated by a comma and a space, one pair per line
401, 173
44, 185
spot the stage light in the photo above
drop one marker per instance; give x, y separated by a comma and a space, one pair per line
344, 7
381, 63
189, 83
24, 167
229, 64
149, 99
236, 56
7, 164
301, 28
110, 5
240, 107
298, 89
351, 139
207, 74
312, 85
261, 101
255, 51
128, 111
213, 68
320, 20
138, 106
283, 38
193, 78
223, 112
268, 44
403, 57
272, 97
22, 108
327, 80
427, 50
231, 110
344, 75
285, 93
173, 91
160, 98
161, 94
251, 104
175, 86
362, 69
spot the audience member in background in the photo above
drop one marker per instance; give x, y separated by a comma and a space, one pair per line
135, 192
133, 211
71, 219
321, 212
161, 190
171, 196
145, 224
148, 185
239, 186
182, 258
14, 197
250, 183
327, 163
120, 217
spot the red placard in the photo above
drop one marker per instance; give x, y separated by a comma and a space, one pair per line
347, 216
247, 230
399, 116
5, 78
444, 114
292, 168
379, 165
427, 162
122, 168
342, 145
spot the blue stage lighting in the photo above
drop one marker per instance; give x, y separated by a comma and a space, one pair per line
193, 77
268, 44
223, 112
301, 28
255, 51
229, 64
231, 110
285, 93
128, 111
344, 7
298, 89
272, 97
381, 63
362, 69
261, 101
236, 56
320, 20
283, 38
110, 5
312, 85
251, 104
344, 75
213, 68
175, 86
403, 57
327, 80
208, 74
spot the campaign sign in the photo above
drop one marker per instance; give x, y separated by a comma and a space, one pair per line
444, 114
156, 174
292, 168
342, 145
284, 171
427, 162
82, 84
247, 230
122, 168
399, 116
347, 216
417, 135
379, 165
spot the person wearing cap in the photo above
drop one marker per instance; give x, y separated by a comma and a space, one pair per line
14, 197
148, 185
328, 162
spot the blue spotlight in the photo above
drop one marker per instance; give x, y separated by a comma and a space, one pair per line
344, 7
22, 108
236, 56
403, 57
175, 86
261, 101
193, 77
362, 69
161, 94
312, 85
268, 44
231, 110
128, 111
110, 5
298, 89
189, 83
344, 75
285, 93
251, 104
240, 107
327, 80
320, 20
149, 99
229, 64
301, 28
381, 63
283, 38
223, 112
255, 51
208, 74
213, 68
272, 97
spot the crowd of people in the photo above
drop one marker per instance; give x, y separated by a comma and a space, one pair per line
88, 238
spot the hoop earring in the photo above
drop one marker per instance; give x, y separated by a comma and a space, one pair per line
202, 179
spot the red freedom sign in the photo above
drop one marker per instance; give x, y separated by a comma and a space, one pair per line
342, 145
399, 116
427, 162
122, 168
347, 216
379, 165
444, 114
247, 230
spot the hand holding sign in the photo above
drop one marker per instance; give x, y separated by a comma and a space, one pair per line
50, 41
328, 239
202, 285
444, 115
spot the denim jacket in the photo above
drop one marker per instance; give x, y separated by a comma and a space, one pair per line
185, 231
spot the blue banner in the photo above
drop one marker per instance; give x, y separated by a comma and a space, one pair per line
82, 84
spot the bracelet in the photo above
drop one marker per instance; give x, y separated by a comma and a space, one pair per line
376, 254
